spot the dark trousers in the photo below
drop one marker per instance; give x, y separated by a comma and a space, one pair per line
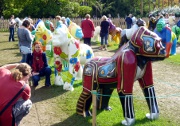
11, 35
44, 72
87, 41
128, 26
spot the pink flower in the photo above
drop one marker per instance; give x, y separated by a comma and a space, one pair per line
77, 66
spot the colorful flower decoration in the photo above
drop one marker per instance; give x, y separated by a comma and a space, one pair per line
77, 44
72, 81
73, 60
57, 63
88, 54
57, 50
77, 66
59, 68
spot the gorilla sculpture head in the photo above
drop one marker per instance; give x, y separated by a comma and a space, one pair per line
148, 44
141, 22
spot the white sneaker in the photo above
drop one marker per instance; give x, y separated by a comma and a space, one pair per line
128, 122
152, 116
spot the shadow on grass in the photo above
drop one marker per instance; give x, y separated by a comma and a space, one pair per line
74, 120
45, 93
4, 41
9, 49
137, 122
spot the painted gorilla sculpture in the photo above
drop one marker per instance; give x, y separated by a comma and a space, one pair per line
164, 32
130, 63
70, 50
176, 30
74, 29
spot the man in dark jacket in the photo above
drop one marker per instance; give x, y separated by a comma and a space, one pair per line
129, 21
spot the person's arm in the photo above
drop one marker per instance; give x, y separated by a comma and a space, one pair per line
92, 24
29, 36
26, 93
10, 66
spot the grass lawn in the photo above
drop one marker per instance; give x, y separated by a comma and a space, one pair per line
57, 107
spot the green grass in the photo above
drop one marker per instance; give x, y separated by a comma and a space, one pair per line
60, 105
174, 59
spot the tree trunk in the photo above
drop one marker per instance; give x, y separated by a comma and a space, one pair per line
141, 7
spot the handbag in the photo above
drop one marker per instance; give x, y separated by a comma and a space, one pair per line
25, 49
12, 100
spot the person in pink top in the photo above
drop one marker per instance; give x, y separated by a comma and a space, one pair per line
14, 79
88, 29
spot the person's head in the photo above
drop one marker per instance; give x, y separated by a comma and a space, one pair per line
166, 15
104, 18
12, 16
161, 16
30, 20
63, 19
26, 23
37, 46
87, 16
58, 17
22, 72
160, 25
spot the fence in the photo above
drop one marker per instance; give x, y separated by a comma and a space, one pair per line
119, 22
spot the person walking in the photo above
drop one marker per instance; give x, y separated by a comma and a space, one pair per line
88, 29
15, 93
104, 32
38, 62
25, 39
128, 21
12, 24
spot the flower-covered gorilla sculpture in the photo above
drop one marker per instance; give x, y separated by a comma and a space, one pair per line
164, 32
74, 29
68, 49
42, 34
130, 63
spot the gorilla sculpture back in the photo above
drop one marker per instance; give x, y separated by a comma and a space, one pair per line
130, 63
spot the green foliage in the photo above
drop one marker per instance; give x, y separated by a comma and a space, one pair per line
84, 10
70, 8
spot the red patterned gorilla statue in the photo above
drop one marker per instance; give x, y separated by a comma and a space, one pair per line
130, 63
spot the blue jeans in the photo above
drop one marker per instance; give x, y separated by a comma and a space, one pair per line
44, 72
11, 35
24, 57
21, 109
104, 39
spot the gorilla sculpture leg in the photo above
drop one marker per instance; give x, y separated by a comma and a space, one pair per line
128, 109
146, 83
149, 93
